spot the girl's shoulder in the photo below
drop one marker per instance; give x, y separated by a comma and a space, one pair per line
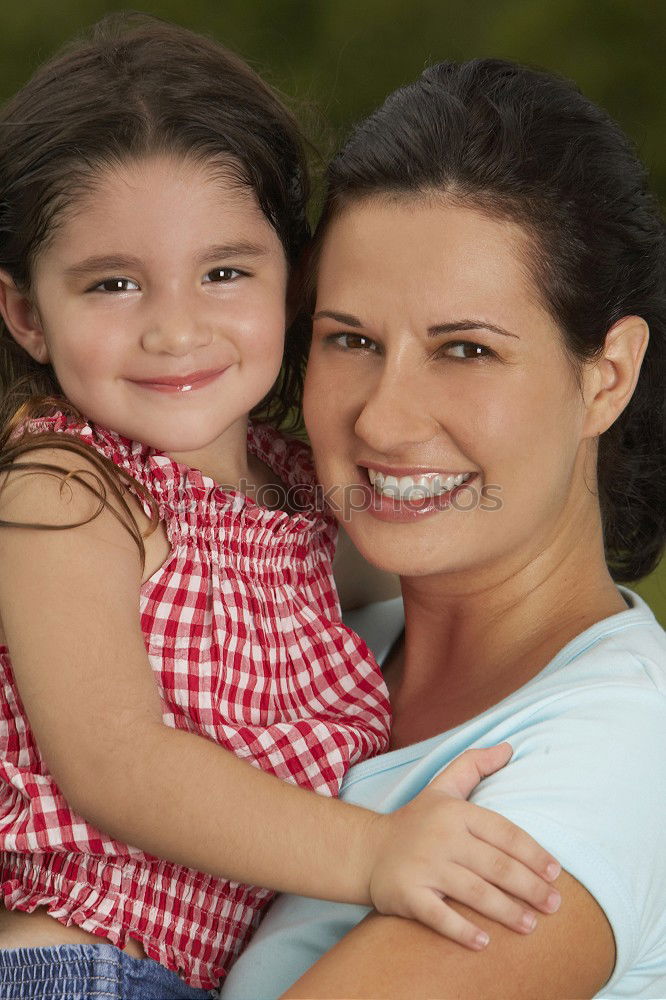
290, 458
133, 461
130, 456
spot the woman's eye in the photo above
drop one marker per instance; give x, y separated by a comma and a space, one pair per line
221, 275
466, 349
352, 341
115, 285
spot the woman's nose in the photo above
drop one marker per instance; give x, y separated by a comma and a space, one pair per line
395, 415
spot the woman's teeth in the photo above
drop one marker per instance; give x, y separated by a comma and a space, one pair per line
415, 487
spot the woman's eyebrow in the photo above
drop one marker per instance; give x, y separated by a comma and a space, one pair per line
339, 318
456, 326
460, 325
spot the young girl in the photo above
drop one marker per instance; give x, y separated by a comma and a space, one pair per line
152, 194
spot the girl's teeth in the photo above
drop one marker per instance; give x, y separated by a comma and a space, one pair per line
415, 487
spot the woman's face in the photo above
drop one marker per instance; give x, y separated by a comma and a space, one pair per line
434, 362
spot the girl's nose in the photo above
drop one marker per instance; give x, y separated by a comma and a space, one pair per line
395, 416
177, 333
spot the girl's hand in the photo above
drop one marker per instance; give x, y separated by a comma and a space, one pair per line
440, 845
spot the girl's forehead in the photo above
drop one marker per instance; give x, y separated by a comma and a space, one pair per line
215, 180
160, 202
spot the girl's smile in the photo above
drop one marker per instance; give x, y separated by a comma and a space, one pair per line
179, 383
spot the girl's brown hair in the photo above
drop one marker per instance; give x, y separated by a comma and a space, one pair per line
136, 87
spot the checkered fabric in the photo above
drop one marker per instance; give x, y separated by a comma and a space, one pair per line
243, 632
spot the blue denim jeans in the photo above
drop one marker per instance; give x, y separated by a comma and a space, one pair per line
88, 972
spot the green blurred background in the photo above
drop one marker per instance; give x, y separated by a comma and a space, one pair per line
337, 59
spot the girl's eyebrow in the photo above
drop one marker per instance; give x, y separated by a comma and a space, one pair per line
241, 248
105, 262
456, 326
121, 262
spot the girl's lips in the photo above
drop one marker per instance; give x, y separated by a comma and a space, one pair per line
178, 383
386, 508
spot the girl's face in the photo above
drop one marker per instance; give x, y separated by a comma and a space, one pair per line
434, 362
161, 301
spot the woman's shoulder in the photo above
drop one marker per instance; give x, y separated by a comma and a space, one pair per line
627, 649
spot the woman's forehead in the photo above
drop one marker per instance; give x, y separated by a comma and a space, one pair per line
390, 252
392, 232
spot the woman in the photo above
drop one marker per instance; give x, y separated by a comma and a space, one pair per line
490, 287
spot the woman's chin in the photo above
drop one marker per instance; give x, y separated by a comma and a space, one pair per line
405, 551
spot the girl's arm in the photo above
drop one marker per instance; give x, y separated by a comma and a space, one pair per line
571, 954
69, 607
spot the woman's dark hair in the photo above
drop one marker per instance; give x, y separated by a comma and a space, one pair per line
525, 145
135, 87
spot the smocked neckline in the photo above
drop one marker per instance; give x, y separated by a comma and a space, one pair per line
238, 501
263, 440
189, 472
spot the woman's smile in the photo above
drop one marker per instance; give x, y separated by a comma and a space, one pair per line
395, 494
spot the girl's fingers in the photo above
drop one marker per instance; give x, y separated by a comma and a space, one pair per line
509, 839
428, 908
494, 868
462, 775
476, 892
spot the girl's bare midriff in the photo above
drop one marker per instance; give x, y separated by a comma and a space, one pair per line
39, 930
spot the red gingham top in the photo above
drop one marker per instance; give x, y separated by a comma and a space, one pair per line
243, 632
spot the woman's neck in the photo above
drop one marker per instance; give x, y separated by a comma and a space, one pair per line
469, 643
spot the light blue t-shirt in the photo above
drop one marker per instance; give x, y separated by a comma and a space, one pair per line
587, 780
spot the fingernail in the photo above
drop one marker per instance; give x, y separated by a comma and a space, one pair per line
481, 940
553, 902
553, 870
528, 921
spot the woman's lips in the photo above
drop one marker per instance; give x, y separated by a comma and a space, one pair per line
387, 508
180, 383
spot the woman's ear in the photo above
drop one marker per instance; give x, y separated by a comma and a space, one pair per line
610, 380
22, 319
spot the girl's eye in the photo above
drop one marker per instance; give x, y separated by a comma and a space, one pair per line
115, 285
466, 349
221, 275
352, 342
